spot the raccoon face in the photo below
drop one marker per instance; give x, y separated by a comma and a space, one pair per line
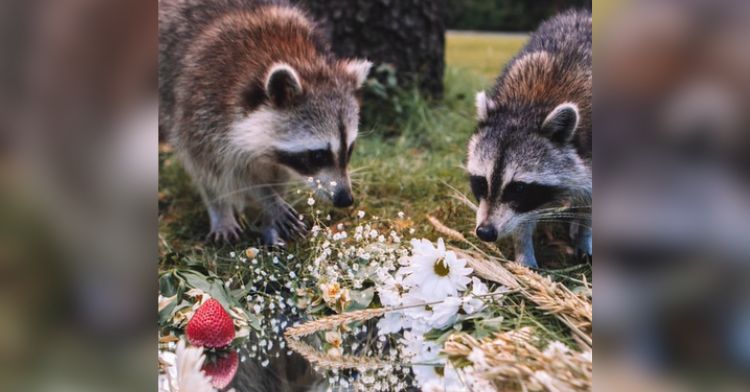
515, 171
316, 130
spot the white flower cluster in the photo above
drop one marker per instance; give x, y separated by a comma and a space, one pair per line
431, 277
430, 287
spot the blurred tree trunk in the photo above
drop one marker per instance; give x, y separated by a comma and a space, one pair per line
409, 34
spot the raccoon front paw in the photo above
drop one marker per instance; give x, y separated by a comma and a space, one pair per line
271, 238
289, 226
527, 259
584, 246
227, 232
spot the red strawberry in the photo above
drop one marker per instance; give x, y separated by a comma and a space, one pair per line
211, 326
222, 368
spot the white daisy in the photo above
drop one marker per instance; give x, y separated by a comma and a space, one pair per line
184, 373
472, 303
445, 313
411, 300
392, 289
434, 374
392, 322
434, 272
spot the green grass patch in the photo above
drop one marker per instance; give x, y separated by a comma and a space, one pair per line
482, 53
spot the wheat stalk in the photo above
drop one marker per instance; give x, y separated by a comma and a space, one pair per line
513, 361
573, 310
293, 335
445, 230
456, 235
329, 361
330, 322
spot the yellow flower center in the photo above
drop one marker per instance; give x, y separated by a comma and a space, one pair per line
441, 268
333, 290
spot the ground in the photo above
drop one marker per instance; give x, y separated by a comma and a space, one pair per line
419, 171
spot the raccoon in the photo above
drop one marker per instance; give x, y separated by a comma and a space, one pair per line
251, 98
531, 152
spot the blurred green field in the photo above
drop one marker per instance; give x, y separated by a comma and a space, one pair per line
482, 53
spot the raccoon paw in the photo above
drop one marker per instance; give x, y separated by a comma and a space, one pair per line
584, 247
271, 238
527, 259
228, 232
289, 226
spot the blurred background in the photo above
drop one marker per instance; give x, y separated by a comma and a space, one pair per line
672, 210
79, 173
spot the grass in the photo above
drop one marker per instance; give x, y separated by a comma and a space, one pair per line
419, 172
482, 53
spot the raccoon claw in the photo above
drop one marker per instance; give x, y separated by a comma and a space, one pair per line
229, 233
290, 227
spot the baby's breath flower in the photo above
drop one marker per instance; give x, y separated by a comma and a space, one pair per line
360, 214
333, 338
310, 201
331, 292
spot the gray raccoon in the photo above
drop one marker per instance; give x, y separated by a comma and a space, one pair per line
531, 151
252, 98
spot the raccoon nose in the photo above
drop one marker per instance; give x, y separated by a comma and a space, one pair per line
343, 198
487, 233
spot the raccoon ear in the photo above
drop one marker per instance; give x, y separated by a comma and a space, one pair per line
359, 68
282, 84
484, 106
560, 125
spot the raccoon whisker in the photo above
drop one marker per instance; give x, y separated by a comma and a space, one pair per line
577, 207
570, 215
559, 221
254, 187
564, 215
360, 169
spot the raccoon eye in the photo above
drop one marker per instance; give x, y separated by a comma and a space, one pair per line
524, 197
516, 187
478, 186
317, 157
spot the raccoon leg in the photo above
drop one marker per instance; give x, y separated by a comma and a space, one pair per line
224, 226
280, 221
523, 241
581, 234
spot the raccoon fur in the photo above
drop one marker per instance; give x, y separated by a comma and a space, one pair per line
530, 155
252, 98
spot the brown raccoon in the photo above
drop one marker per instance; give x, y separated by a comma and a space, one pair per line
252, 98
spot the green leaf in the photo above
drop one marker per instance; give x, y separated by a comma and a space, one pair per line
210, 285
167, 285
493, 324
166, 314
441, 335
361, 299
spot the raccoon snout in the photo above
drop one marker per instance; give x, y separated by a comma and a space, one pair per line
343, 198
486, 232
